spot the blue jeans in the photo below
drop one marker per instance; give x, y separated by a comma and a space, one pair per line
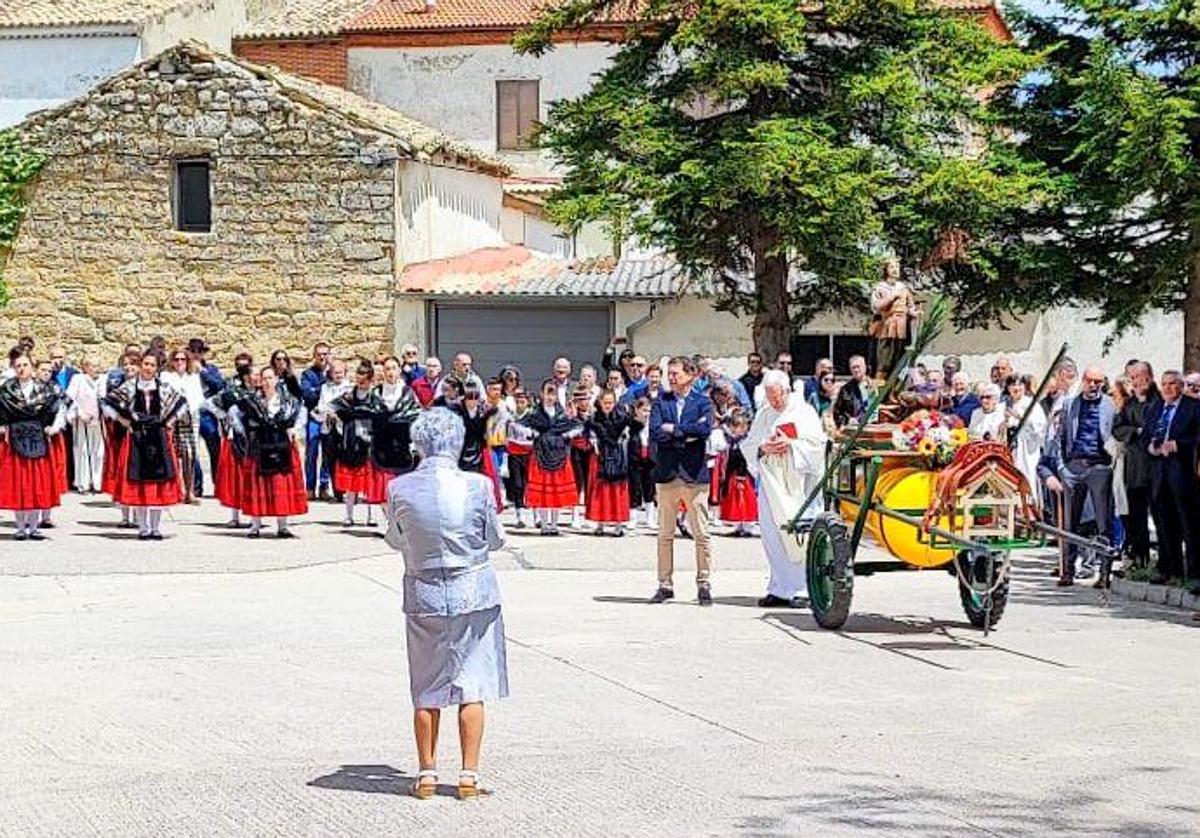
311, 452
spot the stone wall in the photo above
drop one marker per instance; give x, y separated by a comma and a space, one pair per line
303, 239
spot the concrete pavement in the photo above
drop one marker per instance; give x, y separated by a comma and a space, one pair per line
211, 685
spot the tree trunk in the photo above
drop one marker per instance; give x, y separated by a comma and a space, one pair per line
772, 320
1191, 317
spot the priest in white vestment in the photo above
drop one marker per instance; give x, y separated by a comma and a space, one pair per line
785, 451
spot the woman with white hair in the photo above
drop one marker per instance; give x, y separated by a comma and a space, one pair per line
443, 521
988, 421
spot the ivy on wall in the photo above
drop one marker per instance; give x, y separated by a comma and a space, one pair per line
18, 165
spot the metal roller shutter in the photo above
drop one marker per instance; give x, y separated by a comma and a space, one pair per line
529, 336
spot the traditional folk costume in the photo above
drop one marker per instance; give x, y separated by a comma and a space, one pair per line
784, 481
233, 450
642, 488
608, 479
272, 478
738, 502
147, 476
355, 475
519, 447
391, 434
84, 393
551, 478
32, 415
476, 454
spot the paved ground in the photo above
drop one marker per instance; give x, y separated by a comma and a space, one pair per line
209, 685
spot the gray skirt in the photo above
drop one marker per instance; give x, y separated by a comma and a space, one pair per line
456, 660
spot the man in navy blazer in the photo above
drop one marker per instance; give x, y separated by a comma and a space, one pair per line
680, 423
1172, 435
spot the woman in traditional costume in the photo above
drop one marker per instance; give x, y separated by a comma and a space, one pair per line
476, 455
231, 455
354, 474
391, 434
551, 480
608, 482
271, 473
32, 414
147, 477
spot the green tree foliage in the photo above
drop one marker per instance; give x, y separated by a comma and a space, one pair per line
18, 165
757, 139
1114, 115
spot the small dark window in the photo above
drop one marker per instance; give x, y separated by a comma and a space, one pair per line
193, 196
517, 105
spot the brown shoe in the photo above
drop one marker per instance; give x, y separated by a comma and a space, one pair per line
1065, 581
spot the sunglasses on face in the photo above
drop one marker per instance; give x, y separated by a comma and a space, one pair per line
829, 379
179, 358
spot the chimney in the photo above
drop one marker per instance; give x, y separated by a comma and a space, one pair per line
430, 6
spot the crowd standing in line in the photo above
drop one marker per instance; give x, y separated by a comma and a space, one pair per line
674, 447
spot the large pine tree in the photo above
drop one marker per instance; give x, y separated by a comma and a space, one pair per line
760, 139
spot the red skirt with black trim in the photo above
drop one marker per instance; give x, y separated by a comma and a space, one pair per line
740, 503
368, 481
550, 489
230, 476
607, 501
274, 495
27, 484
108, 480
128, 492
58, 458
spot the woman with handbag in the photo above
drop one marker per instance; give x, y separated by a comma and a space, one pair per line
272, 477
31, 415
147, 474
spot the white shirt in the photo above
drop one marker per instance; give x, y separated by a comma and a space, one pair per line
189, 385
987, 425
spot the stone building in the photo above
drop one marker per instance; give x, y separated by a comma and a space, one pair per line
197, 194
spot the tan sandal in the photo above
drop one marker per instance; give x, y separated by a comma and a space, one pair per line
421, 790
468, 785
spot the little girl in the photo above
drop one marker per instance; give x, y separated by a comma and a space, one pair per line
608, 480
551, 485
641, 464
519, 445
738, 502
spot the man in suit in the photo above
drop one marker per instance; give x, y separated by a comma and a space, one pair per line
1172, 436
1081, 466
680, 424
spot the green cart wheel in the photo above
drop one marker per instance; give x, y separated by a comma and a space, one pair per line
983, 593
830, 562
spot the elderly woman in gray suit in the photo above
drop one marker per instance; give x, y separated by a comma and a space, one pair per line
443, 521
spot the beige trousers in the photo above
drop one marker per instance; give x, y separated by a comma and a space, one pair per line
694, 497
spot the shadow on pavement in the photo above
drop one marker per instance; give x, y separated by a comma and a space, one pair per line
878, 805
373, 779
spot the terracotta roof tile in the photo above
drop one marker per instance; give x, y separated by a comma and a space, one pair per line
393, 15
301, 18
39, 13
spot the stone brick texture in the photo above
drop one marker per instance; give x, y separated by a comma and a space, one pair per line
303, 239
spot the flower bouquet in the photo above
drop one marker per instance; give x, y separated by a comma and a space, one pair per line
933, 435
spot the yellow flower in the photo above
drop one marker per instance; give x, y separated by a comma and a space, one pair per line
927, 447
958, 437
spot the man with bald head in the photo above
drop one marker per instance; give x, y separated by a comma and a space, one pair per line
1079, 466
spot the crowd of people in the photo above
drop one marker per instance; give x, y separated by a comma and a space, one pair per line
671, 447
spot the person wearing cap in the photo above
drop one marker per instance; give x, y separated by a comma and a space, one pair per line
211, 383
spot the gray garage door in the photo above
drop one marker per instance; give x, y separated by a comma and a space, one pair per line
529, 336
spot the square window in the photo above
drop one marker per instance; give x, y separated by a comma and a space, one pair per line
517, 104
193, 196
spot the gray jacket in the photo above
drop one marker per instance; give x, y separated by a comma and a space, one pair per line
1069, 426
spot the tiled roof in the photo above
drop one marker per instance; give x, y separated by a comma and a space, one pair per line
516, 272
392, 15
35, 13
301, 18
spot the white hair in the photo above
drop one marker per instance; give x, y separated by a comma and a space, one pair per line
776, 378
438, 433
990, 390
